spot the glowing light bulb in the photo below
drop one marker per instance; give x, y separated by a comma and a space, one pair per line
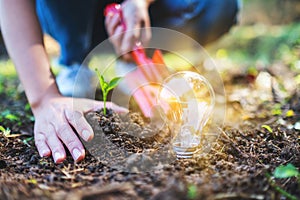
187, 100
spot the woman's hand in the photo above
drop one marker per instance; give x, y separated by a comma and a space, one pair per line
56, 117
56, 120
135, 16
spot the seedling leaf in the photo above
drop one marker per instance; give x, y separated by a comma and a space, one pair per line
113, 83
192, 192
289, 113
102, 82
279, 189
106, 87
25, 141
11, 117
32, 181
268, 128
2, 129
27, 107
286, 171
6, 132
276, 109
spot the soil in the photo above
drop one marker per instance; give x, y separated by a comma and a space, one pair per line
130, 159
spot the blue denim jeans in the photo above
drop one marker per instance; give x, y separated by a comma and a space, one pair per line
78, 25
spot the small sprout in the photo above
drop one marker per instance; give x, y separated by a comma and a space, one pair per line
25, 141
192, 192
2, 129
279, 189
11, 117
276, 109
289, 113
8, 115
286, 171
6, 132
32, 181
268, 128
106, 87
252, 71
27, 107
282, 171
31, 118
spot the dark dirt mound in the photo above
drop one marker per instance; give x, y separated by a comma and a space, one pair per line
235, 168
128, 142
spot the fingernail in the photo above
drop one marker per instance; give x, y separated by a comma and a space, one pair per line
76, 154
86, 135
44, 153
57, 156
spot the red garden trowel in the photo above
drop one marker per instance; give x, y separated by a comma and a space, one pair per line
143, 81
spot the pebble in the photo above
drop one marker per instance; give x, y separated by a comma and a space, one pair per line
34, 159
3, 164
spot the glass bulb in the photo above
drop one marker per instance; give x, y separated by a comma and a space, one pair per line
187, 100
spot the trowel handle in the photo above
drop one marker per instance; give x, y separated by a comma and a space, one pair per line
138, 53
113, 9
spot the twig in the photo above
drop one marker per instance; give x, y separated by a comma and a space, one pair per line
233, 145
238, 196
12, 135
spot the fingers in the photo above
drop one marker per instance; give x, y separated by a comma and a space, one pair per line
129, 40
77, 120
112, 22
115, 30
68, 137
135, 15
117, 39
53, 127
146, 33
47, 141
132, 35
41, 145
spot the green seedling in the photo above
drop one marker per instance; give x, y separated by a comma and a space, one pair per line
6, 114
6, 132
290, 113
27, 107
267, 127
284, 171
106, 87
192, 192
25, 141
276, 110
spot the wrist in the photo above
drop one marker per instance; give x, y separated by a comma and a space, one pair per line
44, 98
149, 2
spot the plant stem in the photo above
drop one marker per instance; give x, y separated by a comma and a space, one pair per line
104, 102
279, 189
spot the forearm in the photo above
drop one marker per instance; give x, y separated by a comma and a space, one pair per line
149, 2
24, 42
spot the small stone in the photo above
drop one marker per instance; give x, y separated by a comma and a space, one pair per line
33, 159
297, 126
3, 164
